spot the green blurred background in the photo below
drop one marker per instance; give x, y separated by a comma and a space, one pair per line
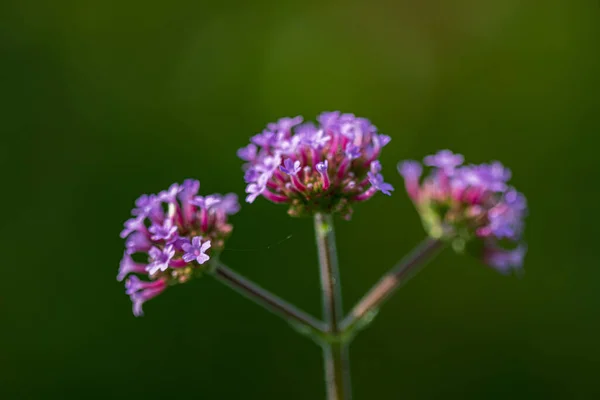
104, 100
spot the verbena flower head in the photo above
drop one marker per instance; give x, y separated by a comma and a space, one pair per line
170, 238
316, 168
469, 205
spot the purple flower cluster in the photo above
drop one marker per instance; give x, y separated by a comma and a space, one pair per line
459, 202
173, 230
316, 168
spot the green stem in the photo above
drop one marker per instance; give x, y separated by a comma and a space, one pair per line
298, 318
335, 354
337, 371
389, 283
330, 274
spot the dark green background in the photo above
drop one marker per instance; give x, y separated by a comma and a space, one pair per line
104, 100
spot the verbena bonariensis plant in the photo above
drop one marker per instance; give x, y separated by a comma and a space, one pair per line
320, 170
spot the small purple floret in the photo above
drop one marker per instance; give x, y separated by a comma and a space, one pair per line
251, 175
133, 225
170, 195
141, 291
212, 201
353, 152
229, 204
384, 140
189, 189
144, 204
196, 250
378, 183
410, 169
285, 124
322, 167
247, 153
506, 260
290, 167
137, 242
254, 190
160, 259
166, 231
128, 266
319, 139
375, 167
445, 160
